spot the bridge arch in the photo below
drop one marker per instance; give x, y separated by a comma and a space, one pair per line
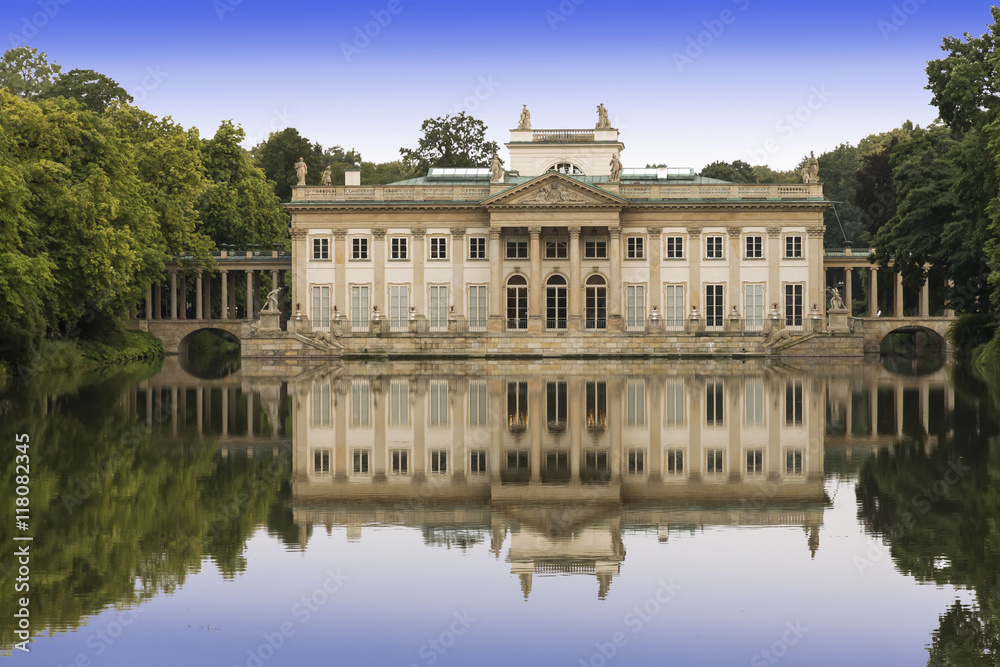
929, 333
220, 365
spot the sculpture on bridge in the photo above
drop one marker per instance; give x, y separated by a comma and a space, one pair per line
272, 300
836, 301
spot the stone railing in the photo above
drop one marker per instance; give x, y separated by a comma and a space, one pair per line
388, 193
720, 191
562, 135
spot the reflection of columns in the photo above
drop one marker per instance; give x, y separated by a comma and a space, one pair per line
873, 292
149, 406
925, 406
224, 298
173, 411
575, 419
773, 397
250, 411
897, 391
655, 282
458, 270
497, 421
199, 393
249, 310
848, 291
731, 394
873, 406
173, 295
458, 390
340, 445
199, 296
496, 282
898, 299
694, 267
849, 413
380, 468
535, 280
418, 299
340, 271
536, 420
575, 313
225, 411
615, 425
149, 302
816, 286
695, 389
654, 408
616, 288
420, 429
378, 255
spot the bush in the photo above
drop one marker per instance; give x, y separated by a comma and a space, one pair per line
972, 330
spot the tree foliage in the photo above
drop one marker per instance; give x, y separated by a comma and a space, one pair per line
736, 171
93, 90
27, 73
277, 156
451, 141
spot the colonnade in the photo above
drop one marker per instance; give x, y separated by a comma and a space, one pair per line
182, 304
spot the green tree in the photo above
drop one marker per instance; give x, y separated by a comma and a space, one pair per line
838, 171
736, 171
277, 156
239, 205
94, 90
451, 141
26, 72
764, 174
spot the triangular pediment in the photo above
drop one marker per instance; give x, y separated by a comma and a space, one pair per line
554, 189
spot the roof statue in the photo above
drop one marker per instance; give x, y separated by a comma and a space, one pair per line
810, 172
496, 169
300, 171
327, 179
602, 118
616, 168
524, 123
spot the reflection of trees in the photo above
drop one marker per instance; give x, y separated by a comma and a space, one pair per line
938, 512
116, 518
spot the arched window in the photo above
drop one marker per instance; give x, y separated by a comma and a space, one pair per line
555, 302
596, 303
566, 168
517, 302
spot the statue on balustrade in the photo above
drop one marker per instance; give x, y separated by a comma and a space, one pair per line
616, 168
810, 172
496, 169
327, 179
300, 171
602, 118
836, 301
524, 123
272, 300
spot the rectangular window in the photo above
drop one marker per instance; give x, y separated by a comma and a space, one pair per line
439, 461
555, 406
477, 462
517, 406
477, 247
635, 247
675, 461
714, 310
439, 247
399, 402
793, 462
793, 305
793, 247
595, 248
674, 392
673, 306
399, 248
636, 461
753, 395
359, 248
793, 403
361, 459
321, 404
597, 405
755, 461
755, 247
321, 461
400, 462
321, 249
635, 402
399, 307
753, 307
713, 247
715, 461
556, 248
478, 400
478, 308
321, 306
714, 403
635, 307
438, 307
675, 247
360, 299
361, 401
438, 402
517, 248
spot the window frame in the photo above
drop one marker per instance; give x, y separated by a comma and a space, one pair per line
719, 242
404, 243
635, 247
797, 248
484, 248
556, 243
519, 243
756, 252
324, 248
437, 248
595, 243
361, 249
676, 252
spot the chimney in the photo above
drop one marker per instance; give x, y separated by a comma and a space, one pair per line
352, 176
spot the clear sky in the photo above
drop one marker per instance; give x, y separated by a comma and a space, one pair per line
687, 83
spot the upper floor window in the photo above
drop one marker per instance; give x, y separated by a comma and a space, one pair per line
634, 247
755, 247
556, 248
566, 168
675, 247
713, 247
398, 248
793, 247
477, 247
439, 247
595, 248
321, 248
517, 248
359, 248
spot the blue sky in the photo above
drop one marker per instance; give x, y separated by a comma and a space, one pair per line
686, 83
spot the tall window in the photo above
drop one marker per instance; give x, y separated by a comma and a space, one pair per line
635, 306
753, 396
715, 403
321, 404
399, 307
714, 309
517, 406
755, 247
715, 461
517, 302
517, 248
635, 402
361, 460
793, 462
755, 461
634, 247
636, 461
477, 462
439, 247
674, 394
753, 306
399, 402
595, 248
359, 248
793, 305
321, 249
555, 406
713, 247
398, 248
477, 247
597, 404
321, 461
673, 305
556, 248
793, 403
555, 302
321, 306
360, 299
361, 402
675, 461
793, 247
439, 461
400, 459
478, 402
438, 399
438, 310
596, 298
675, 247
478, 308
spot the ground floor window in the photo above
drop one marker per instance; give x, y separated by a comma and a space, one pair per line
714, 308
793, 305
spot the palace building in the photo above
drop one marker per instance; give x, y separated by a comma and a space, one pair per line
565, 242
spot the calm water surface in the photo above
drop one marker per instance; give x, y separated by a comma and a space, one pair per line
533, 513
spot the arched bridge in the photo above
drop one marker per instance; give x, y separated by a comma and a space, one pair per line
876, 329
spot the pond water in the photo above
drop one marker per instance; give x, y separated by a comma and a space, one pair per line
497, 513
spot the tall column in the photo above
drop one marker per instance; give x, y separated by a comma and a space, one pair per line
149, 302
735, 257
256, 294
158, 302
300, 253
199, 302
575, 314
655, 264
849, 291
379, 296
816, 286
249, 310
340, 271
873, 292
225, 411
496, 323
773, 268
925, 297
419, 299
200, 409
458, 270
224, 298
207, 313
616, 288
694, 252
535, 280
948, 312
182, 301
898, 300
173, 295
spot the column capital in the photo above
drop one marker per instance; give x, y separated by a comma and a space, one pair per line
615, 231
734, 232
418, 233
654, 231
574, 231
378, 232
299, 233
495, 233
534, 232
816, 231
773, 232
458, 232
340, 233
694, 231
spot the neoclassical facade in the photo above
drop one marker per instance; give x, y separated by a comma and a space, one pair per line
565, 241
